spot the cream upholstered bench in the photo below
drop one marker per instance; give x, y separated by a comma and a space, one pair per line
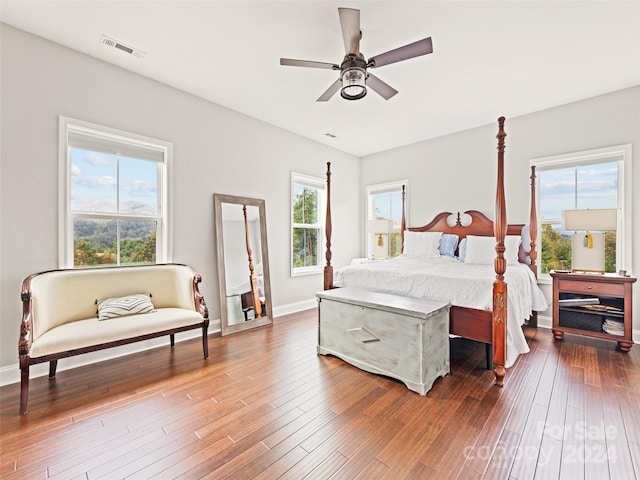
70, 312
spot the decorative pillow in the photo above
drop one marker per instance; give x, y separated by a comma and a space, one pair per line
448, 244
462, 249
482, 250
120, 306
526, 239
422, 244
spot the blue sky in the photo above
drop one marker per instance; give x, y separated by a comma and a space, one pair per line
94, 183
597, 188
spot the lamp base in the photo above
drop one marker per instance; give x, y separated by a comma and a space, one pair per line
585, 259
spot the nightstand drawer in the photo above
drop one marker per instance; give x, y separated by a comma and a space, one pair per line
595, 288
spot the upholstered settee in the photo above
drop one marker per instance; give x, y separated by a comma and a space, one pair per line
70, 312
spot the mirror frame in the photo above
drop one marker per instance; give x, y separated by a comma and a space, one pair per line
226, 329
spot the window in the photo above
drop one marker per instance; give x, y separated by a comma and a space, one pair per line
384, 202
307, 207
584, 180
113, 197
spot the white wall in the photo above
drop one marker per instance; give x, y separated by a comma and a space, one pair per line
41, 80
458, 172
216, 150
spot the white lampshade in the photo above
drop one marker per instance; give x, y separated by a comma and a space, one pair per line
380, 226
599, 219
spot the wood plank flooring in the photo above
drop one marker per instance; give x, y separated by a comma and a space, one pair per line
265, 406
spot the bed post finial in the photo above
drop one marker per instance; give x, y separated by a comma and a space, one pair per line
328, 269
499, 316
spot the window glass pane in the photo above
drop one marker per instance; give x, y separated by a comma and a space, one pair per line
305, 247
94, 178
94, 242
557, 192
598, 186
137, 242
138, 187
386, 205
555, 248
576, 187
305, 204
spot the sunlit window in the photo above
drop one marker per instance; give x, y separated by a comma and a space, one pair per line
384, 214
582, 180
307, 202
112, 209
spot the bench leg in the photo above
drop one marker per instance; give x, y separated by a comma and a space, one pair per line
489, 354
53, 364
205, 341
173, 340
24, 389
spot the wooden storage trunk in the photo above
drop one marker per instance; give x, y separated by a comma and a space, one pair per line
405, 338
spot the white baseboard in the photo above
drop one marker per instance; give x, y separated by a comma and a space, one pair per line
11, 374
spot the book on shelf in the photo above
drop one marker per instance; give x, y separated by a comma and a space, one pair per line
613, 326
575, 302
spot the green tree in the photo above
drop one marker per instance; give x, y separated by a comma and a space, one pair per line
146, 252
84, 254
305, 240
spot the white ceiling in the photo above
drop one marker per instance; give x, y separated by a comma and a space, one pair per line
490, 58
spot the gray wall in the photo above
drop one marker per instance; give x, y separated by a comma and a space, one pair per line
458, 172
216, 150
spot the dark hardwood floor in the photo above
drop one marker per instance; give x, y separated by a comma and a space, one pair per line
265, 406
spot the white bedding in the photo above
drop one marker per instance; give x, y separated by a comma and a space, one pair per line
462, 284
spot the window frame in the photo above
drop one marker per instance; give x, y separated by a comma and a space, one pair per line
320, 184
105, 136
622, 154
375, 189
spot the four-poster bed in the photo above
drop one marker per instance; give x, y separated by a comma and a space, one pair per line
487, 324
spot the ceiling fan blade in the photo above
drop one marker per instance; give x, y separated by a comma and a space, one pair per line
383, 89
308, 63
330, 92
350, 24
421, 47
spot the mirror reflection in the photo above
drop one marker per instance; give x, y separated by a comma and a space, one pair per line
243, 263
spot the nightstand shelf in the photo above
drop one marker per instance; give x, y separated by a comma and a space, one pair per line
593, 305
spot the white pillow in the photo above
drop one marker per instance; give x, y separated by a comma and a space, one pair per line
422, 244
482, 250
121, 306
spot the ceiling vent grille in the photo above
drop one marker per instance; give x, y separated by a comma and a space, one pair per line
110, 42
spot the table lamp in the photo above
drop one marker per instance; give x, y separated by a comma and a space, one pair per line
380, 227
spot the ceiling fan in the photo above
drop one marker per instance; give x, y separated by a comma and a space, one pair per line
354, 76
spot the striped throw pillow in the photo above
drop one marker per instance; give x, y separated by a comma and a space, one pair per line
121, 306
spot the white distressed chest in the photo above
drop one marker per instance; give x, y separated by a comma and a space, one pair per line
405, 338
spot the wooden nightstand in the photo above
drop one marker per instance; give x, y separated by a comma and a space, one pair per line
593, 305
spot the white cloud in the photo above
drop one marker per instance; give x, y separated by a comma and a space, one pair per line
97, 158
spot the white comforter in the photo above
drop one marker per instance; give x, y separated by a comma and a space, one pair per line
462, 284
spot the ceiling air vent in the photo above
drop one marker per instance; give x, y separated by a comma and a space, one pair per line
110, 42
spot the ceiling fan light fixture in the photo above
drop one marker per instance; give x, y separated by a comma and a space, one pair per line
354, 83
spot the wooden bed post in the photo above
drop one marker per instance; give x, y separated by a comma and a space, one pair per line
328, 269
499, 315
533, 236
253, 282
533, 223
403, 222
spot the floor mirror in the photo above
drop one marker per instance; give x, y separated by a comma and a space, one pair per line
243, 263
